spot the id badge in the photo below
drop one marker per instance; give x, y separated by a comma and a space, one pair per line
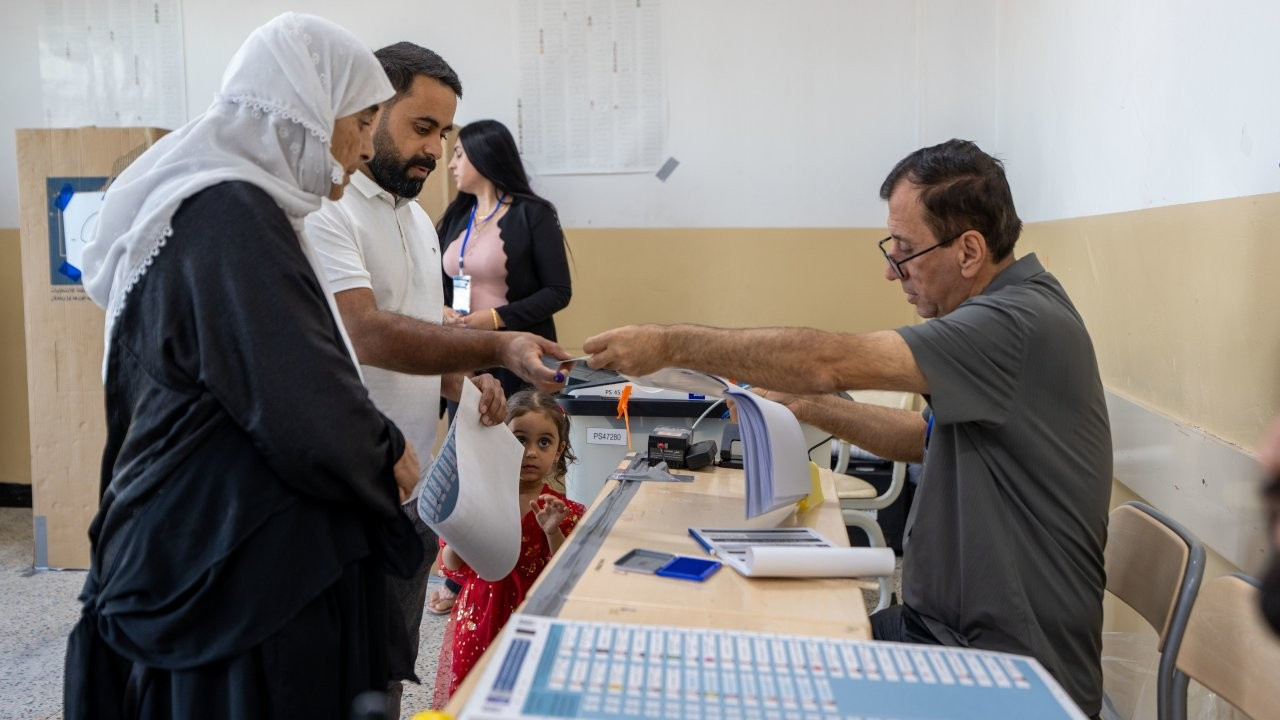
462, 294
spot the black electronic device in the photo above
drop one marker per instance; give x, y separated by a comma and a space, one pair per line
669, 445
700, 455
729, 459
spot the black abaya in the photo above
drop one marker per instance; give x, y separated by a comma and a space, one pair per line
249, 511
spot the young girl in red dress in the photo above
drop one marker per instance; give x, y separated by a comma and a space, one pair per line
483, 607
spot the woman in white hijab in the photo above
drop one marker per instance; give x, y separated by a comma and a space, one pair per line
249, 499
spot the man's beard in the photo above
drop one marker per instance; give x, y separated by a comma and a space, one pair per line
391, 171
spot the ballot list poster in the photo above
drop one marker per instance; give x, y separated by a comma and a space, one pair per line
591, 86
112, 63
548, 668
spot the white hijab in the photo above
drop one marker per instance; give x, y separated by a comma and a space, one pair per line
269, 125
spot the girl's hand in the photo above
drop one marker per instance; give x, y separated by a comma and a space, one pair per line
551, 514
452, 317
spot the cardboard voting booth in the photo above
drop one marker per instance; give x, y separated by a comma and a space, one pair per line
62, 175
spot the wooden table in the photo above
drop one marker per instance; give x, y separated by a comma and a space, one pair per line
659, 518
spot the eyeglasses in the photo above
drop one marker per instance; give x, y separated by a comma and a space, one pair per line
897, 264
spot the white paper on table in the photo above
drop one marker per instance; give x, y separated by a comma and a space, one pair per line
762, 561
470, 496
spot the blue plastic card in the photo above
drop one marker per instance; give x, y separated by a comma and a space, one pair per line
689, 568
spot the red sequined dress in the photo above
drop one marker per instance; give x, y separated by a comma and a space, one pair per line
483, 607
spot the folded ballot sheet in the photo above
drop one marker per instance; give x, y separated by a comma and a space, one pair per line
791, 552
774, 457
471, 496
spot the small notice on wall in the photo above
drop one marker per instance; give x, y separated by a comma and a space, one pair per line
591, 86
73, 209
112, 63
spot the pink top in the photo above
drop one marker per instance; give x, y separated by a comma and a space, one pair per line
486, 263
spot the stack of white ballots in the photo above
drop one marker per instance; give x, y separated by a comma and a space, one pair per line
774, 458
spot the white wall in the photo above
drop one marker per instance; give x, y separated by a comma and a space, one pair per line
790, 114
958, 69
1111, 106
20, 89
781, 115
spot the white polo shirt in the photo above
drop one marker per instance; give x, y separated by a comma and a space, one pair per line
372, 239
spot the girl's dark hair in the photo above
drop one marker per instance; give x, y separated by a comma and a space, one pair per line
492, 150
527, 401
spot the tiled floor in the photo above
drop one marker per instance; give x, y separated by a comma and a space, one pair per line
38, 609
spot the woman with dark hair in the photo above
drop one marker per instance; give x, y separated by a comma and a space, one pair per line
504, 257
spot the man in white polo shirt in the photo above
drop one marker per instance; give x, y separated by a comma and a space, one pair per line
381, 259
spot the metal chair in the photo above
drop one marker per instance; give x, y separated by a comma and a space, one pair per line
1154, 565
858, 501
1229, 649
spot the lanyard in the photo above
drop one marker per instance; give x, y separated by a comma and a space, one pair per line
471, 221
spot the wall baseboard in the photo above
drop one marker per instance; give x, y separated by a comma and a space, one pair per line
15, 495
1210, 486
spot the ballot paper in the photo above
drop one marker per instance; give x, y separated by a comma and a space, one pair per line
542, 667
775, 460
831, 562
471, 496
682, 380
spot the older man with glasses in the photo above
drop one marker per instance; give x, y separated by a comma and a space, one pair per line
1005, 539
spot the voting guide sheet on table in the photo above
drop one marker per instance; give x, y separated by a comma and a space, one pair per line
550, 668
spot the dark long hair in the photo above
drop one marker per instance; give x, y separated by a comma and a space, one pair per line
492, 150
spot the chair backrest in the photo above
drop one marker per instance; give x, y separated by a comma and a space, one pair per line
1230, 650
1149, 557
1155, 565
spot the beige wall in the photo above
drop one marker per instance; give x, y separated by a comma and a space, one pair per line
829, 279
15, 438
1182, 303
